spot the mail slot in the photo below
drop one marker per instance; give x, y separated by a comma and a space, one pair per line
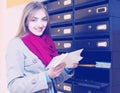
61, 31
59, 91
93, 44
92, 12
59, 4
88, 1
98, 28
61, 17
64, 45
66, 87
78, 89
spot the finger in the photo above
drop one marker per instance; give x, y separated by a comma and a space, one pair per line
59, 69
60, 66
75, 65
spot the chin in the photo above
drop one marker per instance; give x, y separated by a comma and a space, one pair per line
39, 34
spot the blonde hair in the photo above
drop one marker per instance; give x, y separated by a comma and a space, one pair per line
28, 13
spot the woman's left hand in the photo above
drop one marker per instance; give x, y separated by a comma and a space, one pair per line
74, 65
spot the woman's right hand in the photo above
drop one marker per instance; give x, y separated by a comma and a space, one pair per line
56, 71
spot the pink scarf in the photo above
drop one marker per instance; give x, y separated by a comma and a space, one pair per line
43, 47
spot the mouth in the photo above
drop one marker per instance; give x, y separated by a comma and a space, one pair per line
40, 29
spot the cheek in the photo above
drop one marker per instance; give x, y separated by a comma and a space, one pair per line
30, 26
45, 24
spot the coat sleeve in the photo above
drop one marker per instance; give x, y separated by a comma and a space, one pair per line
17, 81
63, 77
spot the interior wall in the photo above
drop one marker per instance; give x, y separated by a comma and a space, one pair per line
10, 15
9, 21
11, 3
3, 88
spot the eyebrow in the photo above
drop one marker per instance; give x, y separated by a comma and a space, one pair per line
37, 17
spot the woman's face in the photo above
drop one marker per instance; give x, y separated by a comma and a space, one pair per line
38, 22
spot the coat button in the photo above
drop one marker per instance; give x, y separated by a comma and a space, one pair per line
34, 61
34, 81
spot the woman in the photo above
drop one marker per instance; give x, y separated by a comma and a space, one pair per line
30, 52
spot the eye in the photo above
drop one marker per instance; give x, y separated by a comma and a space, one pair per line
34, 19
45, 18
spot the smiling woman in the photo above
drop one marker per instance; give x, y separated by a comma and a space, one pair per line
29, 53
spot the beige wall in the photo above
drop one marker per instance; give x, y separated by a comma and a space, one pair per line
2, 62
9, 21
11, 3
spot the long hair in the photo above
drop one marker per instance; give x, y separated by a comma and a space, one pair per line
28, 12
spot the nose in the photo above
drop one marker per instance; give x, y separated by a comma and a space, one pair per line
40, 24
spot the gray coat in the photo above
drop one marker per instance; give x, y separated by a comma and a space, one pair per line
25, 72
